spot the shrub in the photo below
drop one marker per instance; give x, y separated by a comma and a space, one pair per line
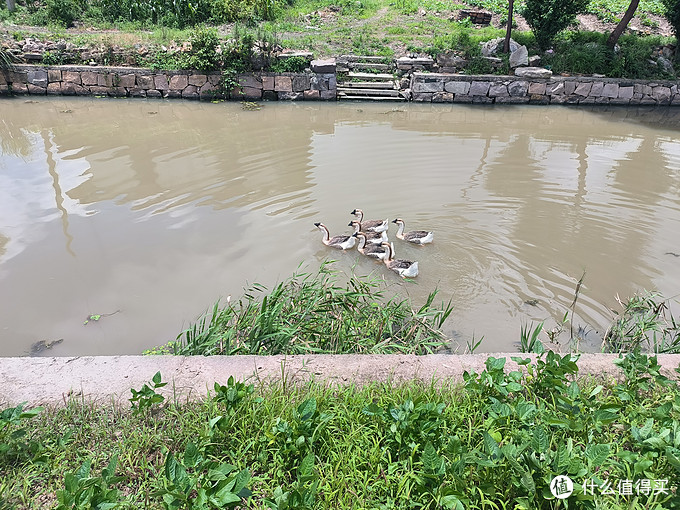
672, 14
63, 12
204, 44
547, 18
290, 65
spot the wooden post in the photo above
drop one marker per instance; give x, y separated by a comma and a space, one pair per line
11, 5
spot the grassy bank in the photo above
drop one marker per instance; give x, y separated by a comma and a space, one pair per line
332, 28
495, 442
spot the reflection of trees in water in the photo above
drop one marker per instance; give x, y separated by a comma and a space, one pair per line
14, 139
180, 155
3, 245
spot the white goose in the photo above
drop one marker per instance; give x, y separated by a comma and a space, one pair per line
339, 242
415, 236
405, 268
371, 237
370, 250
370, 225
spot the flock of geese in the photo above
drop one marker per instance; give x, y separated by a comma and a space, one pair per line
370, 238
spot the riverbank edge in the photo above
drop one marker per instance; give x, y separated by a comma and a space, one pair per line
320, 83
109, 379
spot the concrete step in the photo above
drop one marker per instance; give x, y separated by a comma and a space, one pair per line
361, 58
344, 97
360, 66
387, 85
367, 92
371, 76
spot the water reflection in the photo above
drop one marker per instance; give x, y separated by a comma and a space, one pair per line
158, 208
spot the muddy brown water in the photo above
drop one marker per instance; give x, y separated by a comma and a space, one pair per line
141, 214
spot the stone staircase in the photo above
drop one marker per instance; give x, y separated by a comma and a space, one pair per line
367, 78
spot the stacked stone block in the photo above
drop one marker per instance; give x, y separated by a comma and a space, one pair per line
452, 88
137, 82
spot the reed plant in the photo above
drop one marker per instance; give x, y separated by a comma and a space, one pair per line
315, 313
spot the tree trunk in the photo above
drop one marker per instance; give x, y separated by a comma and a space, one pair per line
630, 12
508, 31
11, 5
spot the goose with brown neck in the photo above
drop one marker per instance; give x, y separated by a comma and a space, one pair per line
414, 236
404, 268
371, 237
339, 242
370, 250
370, 225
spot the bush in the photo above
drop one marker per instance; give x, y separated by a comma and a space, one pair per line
64, 12
672, 14
547, 18
290, 65
203, 56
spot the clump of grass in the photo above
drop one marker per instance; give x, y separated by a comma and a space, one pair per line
645, 323
314, 313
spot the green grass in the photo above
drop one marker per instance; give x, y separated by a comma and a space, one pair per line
322, 312
495, 441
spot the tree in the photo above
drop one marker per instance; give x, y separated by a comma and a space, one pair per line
621, 27
11, 5
547, 18
508, 30
673, 16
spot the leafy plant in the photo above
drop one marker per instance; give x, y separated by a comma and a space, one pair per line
645, 323
291, 442
203, 55
194, 482
312, 313
549, 17
84, 491
290, 65
302, 495
144, 399
13, 445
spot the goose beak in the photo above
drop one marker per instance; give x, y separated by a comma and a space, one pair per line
394, 221
317, 224
350, 223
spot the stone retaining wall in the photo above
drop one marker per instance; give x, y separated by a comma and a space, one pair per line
454, 88
320, 83
137, 82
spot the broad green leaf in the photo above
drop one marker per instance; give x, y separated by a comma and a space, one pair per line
191, 455
673, 457
224, 497
451, 502
540, 440
597, 454
307, 409
372, 409
431, 461
491, 445
527, 482
306, 468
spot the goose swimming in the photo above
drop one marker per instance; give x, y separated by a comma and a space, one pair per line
370, 250
370, 225
405, 268
339, 242
371, 237
415, 236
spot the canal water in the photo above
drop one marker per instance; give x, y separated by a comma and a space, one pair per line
142, 214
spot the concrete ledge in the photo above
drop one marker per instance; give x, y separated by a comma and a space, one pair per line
109, 378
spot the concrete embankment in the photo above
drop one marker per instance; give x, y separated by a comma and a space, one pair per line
107, 379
